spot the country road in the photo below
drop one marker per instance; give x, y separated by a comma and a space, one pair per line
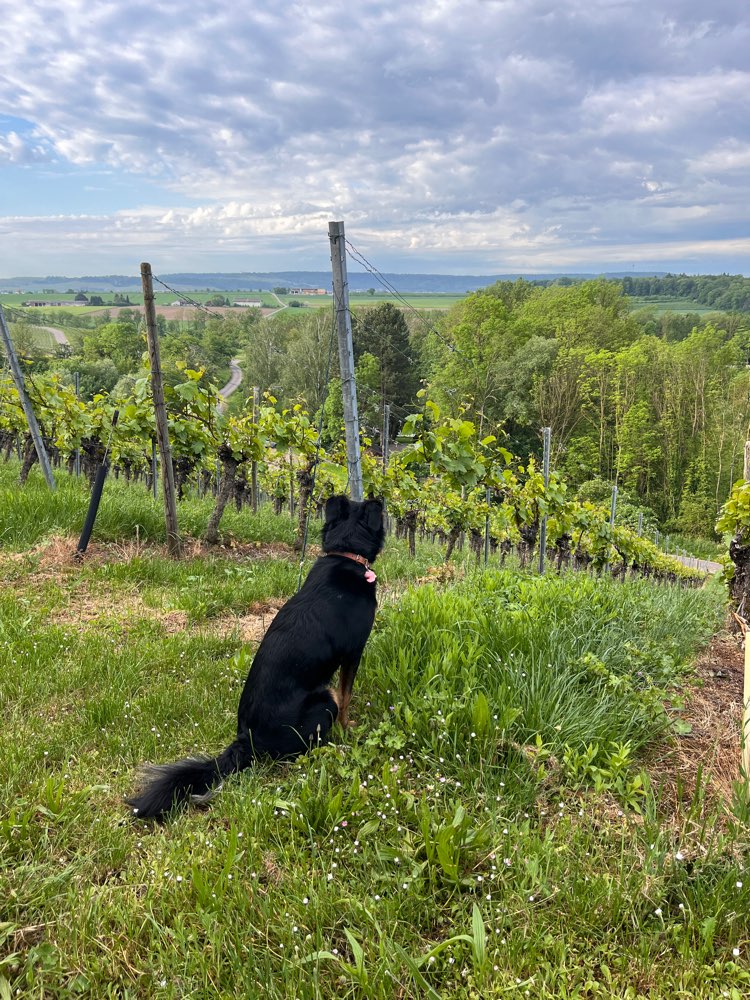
232, 384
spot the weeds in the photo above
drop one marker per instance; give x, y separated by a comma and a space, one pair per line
486, 831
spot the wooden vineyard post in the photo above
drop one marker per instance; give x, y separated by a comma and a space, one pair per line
547, 440
28, 409
346, 357
160, 411
488, 500
746, 711
254, 464
386, 434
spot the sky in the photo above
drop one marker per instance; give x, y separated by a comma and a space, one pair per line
450, 136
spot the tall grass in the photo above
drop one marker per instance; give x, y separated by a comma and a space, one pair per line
31, 513
481, 833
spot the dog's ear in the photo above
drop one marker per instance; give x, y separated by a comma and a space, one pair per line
374, 514
337, 508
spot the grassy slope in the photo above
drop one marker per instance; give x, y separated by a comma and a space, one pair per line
470, 837
662, 304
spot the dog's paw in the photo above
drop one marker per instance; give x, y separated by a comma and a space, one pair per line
347, 723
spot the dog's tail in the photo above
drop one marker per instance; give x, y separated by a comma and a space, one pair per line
195, 778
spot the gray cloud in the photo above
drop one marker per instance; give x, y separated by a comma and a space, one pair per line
499, 134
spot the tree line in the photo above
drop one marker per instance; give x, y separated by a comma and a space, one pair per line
729, 292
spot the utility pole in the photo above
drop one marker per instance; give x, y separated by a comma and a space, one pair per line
160, 411
346, 357
28, 409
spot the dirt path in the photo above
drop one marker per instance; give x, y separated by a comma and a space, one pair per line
712, 747
58, 334
282, 305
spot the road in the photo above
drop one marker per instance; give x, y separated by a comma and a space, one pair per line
232, 384
701, 564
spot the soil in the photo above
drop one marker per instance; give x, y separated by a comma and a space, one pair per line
712, 748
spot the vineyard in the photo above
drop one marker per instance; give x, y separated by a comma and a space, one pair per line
442, 482
536, 800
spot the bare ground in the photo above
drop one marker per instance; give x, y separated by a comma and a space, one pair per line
712, 749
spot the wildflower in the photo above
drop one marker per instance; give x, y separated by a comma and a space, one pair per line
736, 952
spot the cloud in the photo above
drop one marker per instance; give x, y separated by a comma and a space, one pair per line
526, 126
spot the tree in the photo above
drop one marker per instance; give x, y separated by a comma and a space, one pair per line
121, 342
383, 333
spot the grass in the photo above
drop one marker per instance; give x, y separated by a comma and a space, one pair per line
662, 304
417, 300
488, 829
42, 338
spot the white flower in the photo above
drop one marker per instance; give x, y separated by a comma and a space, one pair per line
736, 952
657, 911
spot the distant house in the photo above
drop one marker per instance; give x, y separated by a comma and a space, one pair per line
308, 291
248, 303
179, 302
47, 302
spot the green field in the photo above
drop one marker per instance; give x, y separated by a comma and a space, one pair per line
415, 300
664, 304
136, 299
42, 338
503, 822
270, 301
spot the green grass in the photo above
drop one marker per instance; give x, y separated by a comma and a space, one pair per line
42, 338
126, 511
416, 300
662, 304
487, 830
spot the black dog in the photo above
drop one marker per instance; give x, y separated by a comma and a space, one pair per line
287, 706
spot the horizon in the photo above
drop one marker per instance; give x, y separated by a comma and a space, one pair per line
614, 274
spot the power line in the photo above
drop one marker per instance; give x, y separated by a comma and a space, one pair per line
187, 298
359, 257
